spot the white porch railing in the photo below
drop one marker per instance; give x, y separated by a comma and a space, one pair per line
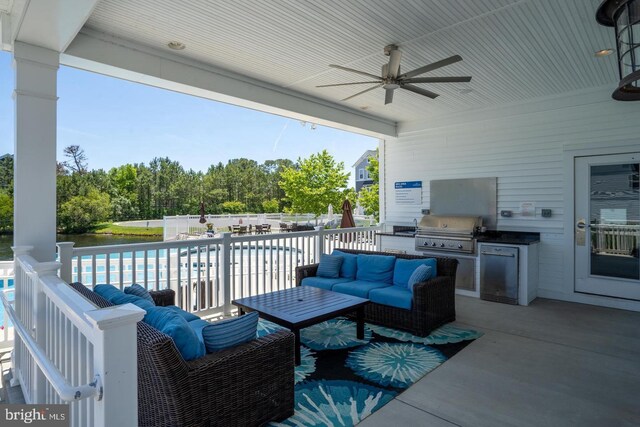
207, 274
615, 239
6, 288
66, 350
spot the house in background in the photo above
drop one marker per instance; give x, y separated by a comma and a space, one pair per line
537, 117
361, 172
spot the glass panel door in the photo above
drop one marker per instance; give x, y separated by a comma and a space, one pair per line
607, 225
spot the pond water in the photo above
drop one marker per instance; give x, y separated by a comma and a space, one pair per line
82, 240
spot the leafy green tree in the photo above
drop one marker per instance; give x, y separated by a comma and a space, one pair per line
316, 183
369, 197
6, 210
233, 207
6, 173
81, 213
271, 206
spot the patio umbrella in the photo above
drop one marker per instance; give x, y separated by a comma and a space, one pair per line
202, 218
330, 213
347, 216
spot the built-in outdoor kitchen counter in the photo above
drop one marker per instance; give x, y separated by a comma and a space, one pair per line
470, 272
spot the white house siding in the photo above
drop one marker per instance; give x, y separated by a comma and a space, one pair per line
523, 146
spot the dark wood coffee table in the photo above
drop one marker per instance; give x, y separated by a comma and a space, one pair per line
303, 306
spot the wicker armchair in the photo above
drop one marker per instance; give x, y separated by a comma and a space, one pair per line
247, 385
433, 300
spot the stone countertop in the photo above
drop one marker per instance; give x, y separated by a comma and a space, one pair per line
492, 236
509, 237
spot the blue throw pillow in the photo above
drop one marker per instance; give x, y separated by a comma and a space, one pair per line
139, 291
421, 274
405, 267
117, 297
231, 332
171, 323
349, 264
329, 266
375, 268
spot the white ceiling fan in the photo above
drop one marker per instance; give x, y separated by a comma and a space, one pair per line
391, 79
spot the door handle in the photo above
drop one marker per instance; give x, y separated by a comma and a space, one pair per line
581, 232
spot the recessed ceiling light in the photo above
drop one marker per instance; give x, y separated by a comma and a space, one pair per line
175, 45
603, 52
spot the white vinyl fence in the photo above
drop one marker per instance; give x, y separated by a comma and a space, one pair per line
181, 226
67, 351
6, 288
207, 274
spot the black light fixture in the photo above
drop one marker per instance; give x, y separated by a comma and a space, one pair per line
624, 16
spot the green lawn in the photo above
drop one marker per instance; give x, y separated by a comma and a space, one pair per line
109, 228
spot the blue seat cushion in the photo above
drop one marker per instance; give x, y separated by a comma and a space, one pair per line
117, 297
422, 274
349, 264
171, 323
329, 266
375, 268
358, 288
323, 282
139, 291
394, 296
230, 332
405, 267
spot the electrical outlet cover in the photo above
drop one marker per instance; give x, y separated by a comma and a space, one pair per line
546, 213
506, 214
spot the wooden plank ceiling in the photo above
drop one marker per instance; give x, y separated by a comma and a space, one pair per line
515, 49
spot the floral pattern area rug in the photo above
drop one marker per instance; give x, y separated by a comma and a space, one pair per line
342, 379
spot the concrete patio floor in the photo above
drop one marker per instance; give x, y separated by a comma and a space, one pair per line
550, 364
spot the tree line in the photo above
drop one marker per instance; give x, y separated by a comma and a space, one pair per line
163, 187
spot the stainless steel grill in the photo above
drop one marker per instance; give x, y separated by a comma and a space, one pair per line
448, 233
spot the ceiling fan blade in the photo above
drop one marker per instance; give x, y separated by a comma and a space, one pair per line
419, 90
388, 96
464, 79
347, 84
394, 63
364, 91
339, 67
434, 66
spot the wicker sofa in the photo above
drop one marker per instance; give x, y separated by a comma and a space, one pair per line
247, 385
433, 301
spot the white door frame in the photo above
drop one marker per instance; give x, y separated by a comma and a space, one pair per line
570, 152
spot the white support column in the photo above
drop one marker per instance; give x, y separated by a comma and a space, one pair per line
35, 100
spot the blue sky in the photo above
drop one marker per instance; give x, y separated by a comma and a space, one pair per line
117, 122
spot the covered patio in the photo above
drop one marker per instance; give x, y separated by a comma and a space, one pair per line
539, 100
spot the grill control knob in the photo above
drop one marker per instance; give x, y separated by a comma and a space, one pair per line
459, 246
433, 244
442, 245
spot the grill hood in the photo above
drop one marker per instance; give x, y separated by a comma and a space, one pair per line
450, 225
